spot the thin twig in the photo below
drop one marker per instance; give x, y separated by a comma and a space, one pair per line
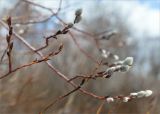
54, 14
59, 7
59, 32
9, 44
61, 75
46, 58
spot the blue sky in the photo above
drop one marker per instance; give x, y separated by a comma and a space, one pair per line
145, 14
155, 4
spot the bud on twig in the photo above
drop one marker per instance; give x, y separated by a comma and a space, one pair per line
7, 53
9, 21
109, 99
78, 16
134, 95
146, 93
104, 53
126, 99
11, 46
10, 31
70, 25
77, 19
65, 31
61, 46
120, 66
128, 61
124, 68
116, 57
78, 12
8, 38
58, 32
109, 35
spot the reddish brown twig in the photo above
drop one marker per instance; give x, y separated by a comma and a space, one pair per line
80, 76
93, 36
46, 58
87, 77
74, 90
98, 75
55, 14
61, 75
102, 74
59, 32
64, 31
9, 44
64, 77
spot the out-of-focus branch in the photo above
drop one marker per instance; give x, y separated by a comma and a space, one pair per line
108, 35
100, 107
72, 91
62, 97
23, 87
59, 7
83, 51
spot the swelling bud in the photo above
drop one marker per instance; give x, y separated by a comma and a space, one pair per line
128, 61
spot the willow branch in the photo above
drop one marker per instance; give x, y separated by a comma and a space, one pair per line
46, 58
61, 75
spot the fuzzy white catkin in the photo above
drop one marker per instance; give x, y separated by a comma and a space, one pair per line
133, 94
128, 61
110, 99
124, 68
148, 93
21, 31
104, 53
110, 71
116, 57
119, 63
125, 99
141, 94
78, 12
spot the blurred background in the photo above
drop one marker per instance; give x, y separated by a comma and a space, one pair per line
134, 30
